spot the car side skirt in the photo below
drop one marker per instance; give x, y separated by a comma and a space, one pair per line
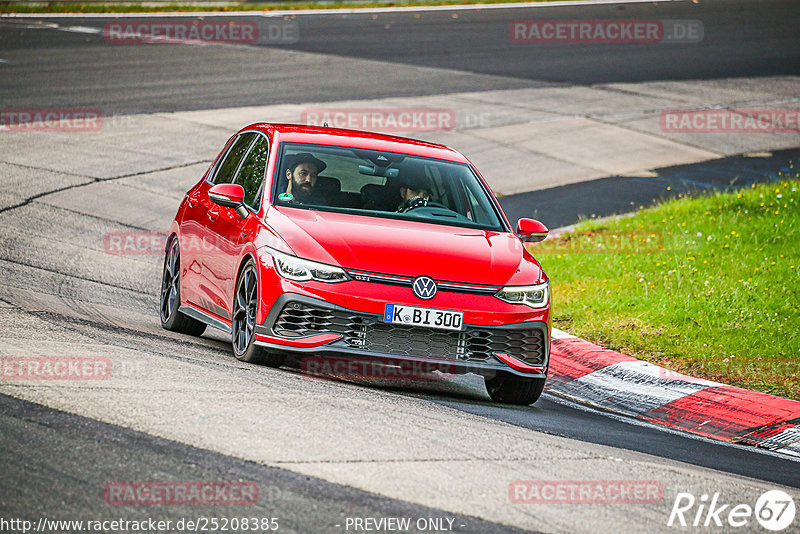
206, 318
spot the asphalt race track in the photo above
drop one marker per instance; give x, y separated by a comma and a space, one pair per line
320, 452
387, 54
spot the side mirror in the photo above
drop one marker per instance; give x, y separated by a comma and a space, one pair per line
531, 231
230, 196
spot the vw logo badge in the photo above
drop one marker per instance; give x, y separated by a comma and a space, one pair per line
424, 287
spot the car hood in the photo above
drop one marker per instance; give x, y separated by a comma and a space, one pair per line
406, 248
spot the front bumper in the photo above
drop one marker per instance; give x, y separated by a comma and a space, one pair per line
300, 323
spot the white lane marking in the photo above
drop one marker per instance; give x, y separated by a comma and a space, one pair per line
3, 61
792, 450
788, 438
632, 387
99, 31
79, 29
351, 11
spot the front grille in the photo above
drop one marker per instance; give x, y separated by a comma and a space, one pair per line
410, 341
298, 320
524, 344
370, 334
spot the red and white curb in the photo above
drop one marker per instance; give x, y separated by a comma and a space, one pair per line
606, 379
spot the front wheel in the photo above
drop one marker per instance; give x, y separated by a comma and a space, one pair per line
513, 389
244, 321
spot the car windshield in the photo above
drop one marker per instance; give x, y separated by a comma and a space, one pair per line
382, 184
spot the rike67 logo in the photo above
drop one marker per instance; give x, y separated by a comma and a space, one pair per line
774, 510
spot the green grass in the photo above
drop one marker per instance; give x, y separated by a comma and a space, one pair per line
707, 286
222, 7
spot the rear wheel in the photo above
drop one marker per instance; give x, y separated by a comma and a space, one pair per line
244, 321
513, 389
171, 317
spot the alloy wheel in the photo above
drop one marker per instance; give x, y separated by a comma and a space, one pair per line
170, 282
244, 315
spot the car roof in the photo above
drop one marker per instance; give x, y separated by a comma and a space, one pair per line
323, 135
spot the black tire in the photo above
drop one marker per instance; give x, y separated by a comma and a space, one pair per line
245, 302
512, 389
171, 318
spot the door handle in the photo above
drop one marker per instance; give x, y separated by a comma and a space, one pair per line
213, 214
191, 201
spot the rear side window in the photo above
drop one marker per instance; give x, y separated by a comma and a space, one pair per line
251, 175
227, 169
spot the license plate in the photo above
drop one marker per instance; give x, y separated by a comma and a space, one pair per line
413, 316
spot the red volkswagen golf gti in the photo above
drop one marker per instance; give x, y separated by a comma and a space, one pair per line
348, 244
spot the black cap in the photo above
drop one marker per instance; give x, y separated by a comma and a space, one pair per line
416, 182
305, 157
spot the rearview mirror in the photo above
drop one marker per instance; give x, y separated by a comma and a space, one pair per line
531, 231
230, 196
374, 170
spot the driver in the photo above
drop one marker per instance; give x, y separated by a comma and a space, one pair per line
301, 172
415, 191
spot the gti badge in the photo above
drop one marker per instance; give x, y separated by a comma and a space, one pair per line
424, 287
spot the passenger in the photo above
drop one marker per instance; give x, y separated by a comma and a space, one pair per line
415, 192
302, 172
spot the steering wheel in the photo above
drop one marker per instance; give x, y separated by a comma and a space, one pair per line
419, 202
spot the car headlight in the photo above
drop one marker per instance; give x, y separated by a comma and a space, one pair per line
536, 296
298, 269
